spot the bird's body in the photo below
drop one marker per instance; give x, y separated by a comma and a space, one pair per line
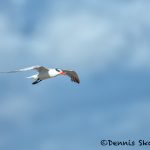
46, 73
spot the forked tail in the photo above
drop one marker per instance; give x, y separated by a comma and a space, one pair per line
34, 77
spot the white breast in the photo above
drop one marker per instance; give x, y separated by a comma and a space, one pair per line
52, 73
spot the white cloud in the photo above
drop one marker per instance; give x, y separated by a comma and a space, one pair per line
88, 39
80, 39
84, 37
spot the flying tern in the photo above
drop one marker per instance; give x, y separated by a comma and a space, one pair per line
46, 73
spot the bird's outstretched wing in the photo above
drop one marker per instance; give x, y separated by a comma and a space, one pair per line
37, 68
73, 75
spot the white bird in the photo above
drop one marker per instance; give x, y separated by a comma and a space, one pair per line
45, 73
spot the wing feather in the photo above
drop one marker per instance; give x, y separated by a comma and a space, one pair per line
37, 68
73, 75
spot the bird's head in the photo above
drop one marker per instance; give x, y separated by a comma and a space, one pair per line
59, 71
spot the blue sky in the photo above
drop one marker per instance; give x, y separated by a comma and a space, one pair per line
106, 42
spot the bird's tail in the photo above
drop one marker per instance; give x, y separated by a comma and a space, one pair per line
34, 77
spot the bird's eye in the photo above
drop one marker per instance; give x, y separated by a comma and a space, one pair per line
58, 70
